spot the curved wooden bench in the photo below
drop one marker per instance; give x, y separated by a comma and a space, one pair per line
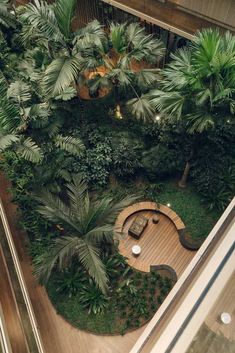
152, 206
167, 268
170, 224
189, 244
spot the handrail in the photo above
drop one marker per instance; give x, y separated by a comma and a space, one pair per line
186, 277
21, 280
4, 339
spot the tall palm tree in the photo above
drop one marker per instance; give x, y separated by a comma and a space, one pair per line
121, 57
50, 26
119, 51
198, 86
87, 224
18, 114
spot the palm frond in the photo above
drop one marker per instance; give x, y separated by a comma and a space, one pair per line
70, 144
54, 209
117, 37
146, 78
78, 196
53, 126
141, 108
9, 115
6, 18
89, 256
67, 94
60, 74
199, 122
64, 13
169, 103
41, 17
6, 140
30, 151
19, 92
62, 251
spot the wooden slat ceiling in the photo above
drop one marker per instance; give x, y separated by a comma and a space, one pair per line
164, 15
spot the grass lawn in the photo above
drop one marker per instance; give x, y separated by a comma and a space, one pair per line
185, 202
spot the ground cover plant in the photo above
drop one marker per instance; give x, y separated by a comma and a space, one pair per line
74, 163
133, 298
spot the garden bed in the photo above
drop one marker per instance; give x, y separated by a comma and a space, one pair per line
133, 300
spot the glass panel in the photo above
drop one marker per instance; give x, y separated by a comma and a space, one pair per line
217, 334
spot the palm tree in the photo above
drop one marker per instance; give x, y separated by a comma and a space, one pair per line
121, 57
11, 122
7, 19
86, 223
18, 115
50, 26
198, 86
77, 55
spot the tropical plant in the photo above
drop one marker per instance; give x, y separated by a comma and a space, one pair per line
70, 282
18, 115
120, 58
23, 147
51, 27
103, 58
92, 298
198, 86
7, 18
87, 225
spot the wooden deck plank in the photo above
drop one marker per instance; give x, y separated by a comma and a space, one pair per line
159, 242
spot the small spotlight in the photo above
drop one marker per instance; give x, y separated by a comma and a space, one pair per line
228, 121
168, 205
157, 117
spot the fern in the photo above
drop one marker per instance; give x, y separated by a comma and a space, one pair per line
70, 144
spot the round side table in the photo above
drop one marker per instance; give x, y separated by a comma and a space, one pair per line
136, 250
225, 318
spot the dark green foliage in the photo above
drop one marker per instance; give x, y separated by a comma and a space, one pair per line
160, 162
131, 301
126, 156
92, 299
70, 282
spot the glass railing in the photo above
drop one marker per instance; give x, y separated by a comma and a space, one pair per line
5, 346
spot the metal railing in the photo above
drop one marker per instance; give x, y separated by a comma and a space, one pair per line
23, 287
5, 346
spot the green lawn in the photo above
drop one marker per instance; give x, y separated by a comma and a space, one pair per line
185, 202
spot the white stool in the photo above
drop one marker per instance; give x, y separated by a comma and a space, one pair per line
136, 250
225, 318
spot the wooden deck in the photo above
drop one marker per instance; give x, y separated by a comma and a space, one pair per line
159, 242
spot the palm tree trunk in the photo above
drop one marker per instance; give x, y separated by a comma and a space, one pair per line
183, 180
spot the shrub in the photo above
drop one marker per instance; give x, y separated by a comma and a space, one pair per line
92, 298
69, 282
160, 161
126, 156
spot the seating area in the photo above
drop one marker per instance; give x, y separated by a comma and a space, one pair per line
138, 226
155, 229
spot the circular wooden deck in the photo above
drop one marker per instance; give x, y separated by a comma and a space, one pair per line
159, 242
